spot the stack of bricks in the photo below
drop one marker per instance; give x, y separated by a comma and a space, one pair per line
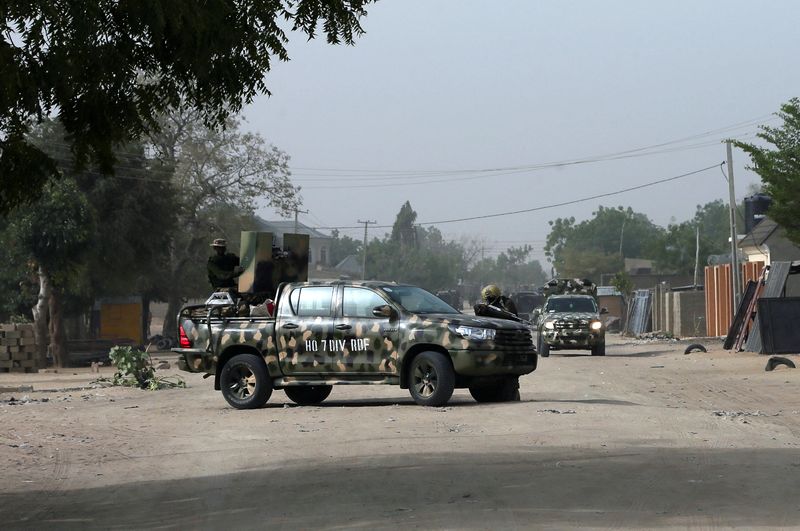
17, 348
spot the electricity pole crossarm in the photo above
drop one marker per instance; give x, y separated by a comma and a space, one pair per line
364, 263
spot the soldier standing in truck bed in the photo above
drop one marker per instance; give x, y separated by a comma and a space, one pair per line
223, 267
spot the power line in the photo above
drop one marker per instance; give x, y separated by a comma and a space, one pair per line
545, 207
394, 173
406, 183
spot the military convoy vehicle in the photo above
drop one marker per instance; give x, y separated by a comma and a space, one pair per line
570, 318
348, 332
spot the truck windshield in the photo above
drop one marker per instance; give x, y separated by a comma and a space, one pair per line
417, 300
571, 304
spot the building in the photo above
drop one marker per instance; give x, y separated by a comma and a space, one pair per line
319, 244
767, 243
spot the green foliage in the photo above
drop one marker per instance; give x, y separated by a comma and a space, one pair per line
108, 69
622, 281
55, 231
512, 270
778, 164
342, 247
422, 256
134, 369
598, 245
677, 245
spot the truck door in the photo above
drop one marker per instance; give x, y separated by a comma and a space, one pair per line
365, 343
304, 330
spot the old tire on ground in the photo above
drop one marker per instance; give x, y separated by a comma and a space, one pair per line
506, 390
774, 361
543, 347
308, 395
599, 349
244, 382
431, 379
695, 346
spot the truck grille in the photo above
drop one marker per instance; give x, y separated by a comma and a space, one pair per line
572, 325
513, 338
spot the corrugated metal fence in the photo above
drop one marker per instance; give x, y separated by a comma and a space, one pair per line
719, 299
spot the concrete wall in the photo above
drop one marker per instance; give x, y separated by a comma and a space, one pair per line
680, 313
689, 312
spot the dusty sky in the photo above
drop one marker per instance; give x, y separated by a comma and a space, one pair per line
439, 90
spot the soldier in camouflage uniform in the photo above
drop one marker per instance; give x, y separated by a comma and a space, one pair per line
223, 267
492, 297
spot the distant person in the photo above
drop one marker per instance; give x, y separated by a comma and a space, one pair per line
223, 267
492, 297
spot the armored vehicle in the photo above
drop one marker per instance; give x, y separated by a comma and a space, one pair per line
570, 318
342, 332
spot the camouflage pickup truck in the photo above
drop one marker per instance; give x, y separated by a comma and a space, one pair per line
334, 333
570, 318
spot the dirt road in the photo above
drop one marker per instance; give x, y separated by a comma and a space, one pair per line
644, 437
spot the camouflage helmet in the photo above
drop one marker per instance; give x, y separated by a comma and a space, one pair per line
490, 292
219, 242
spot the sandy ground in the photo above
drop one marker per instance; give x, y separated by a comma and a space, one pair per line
646, 437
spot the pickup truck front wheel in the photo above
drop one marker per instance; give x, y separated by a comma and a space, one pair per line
506, 390
432, 379
308, 395
244, 382
544, 347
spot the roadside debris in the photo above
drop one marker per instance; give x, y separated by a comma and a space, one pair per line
695, 347
558, 411
736, 414
776, 361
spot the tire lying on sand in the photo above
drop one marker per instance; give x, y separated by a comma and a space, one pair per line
776, 361
695, 346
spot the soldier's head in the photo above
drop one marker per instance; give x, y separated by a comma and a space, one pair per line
219, 245
490, 293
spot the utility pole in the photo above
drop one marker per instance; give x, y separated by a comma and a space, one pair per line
737, 289
297, 211
364, 263
696, 255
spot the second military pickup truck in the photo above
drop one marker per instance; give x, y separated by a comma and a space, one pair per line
342, 332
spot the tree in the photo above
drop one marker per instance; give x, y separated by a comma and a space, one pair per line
600, 244
778, 165
677, 245
219, 176
108, 69
342, 247
416, 255
54, 232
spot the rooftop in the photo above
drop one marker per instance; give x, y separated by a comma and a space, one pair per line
286, 226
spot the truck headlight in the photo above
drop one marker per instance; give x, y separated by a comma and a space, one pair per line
474, 333
596, 325
549, 325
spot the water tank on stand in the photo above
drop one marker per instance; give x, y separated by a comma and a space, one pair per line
755, 209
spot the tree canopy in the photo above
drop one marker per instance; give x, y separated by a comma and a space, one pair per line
778, 165
108, 69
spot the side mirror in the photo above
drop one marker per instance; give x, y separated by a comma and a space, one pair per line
536, 313
384, 311
603, 310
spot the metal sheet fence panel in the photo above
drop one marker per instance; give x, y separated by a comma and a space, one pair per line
719, 298
776, 281
641, 312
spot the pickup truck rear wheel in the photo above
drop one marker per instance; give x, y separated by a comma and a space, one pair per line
543, 347
244, 382
432, 379
308, 395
